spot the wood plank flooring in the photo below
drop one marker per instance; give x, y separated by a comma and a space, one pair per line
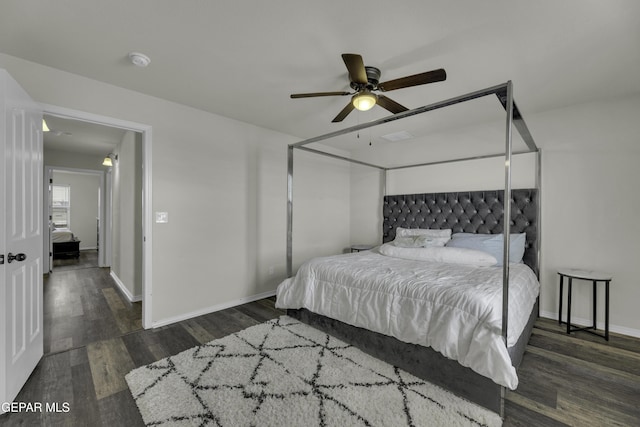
88, 259
82, 305
576, 380
93, 339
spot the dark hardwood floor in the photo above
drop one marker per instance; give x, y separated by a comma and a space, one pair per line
93, 339
82, 305
88, 259
577, 380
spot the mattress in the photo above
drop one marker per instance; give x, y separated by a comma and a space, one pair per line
60, 235
456, 309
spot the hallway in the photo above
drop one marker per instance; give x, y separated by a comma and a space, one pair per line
82, 305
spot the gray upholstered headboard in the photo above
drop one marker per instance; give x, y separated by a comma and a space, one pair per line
469, 212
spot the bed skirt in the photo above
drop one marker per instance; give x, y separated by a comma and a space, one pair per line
69, 249
423, 362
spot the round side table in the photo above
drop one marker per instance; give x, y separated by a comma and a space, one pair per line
591, 276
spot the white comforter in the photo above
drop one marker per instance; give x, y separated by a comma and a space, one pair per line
60, 235
455, 309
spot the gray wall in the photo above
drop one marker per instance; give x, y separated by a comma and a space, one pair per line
126, 229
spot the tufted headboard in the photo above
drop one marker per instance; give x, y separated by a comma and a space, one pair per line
469, 212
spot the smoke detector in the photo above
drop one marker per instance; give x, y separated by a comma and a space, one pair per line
139, 59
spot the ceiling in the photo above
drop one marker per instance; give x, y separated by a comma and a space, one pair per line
81, 137
242, 59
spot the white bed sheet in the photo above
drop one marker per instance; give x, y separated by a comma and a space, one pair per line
60, 235
454, 309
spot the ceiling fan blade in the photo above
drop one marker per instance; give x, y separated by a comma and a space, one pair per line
355, 66
310, 95
390, 104
414, 80
344, 113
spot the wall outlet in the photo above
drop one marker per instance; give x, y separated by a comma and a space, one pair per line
271, 270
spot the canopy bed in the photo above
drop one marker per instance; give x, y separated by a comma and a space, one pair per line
447, 309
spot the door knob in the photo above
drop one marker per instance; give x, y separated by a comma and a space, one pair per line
17, 257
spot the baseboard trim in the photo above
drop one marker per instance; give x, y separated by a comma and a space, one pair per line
123, 288
588, 322
212, 309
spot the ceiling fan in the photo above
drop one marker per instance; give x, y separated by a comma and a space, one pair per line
364, 80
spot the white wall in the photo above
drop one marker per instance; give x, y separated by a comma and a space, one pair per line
590, 200
454, 176
84, 205
321, 206
73, 160
126, 231
591, 204
223, 183
366, 192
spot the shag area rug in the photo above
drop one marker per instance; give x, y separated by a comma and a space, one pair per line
285, 373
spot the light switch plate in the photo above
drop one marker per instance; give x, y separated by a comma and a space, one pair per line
162, 217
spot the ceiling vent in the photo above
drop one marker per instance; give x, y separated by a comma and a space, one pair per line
397, 136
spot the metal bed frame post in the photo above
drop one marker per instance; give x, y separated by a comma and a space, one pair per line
506, 216
385, 172
539, 225
289, 211
506, 229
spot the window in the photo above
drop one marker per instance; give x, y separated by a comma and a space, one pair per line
61, 205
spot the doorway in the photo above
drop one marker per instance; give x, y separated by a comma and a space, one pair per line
76, 209
136, 141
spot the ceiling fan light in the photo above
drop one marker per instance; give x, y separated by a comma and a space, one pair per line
364, 101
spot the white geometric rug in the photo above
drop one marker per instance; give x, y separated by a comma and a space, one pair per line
286, 373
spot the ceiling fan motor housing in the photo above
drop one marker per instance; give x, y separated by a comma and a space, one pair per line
373, 77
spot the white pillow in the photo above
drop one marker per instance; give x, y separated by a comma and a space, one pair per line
492, 244
440, 254
434, 237
419, 241
412, 241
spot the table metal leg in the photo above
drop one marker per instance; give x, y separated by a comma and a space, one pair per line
595, 293
560, 304
569, 306
606, 310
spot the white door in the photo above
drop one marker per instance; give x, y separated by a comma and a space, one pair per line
21, 336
